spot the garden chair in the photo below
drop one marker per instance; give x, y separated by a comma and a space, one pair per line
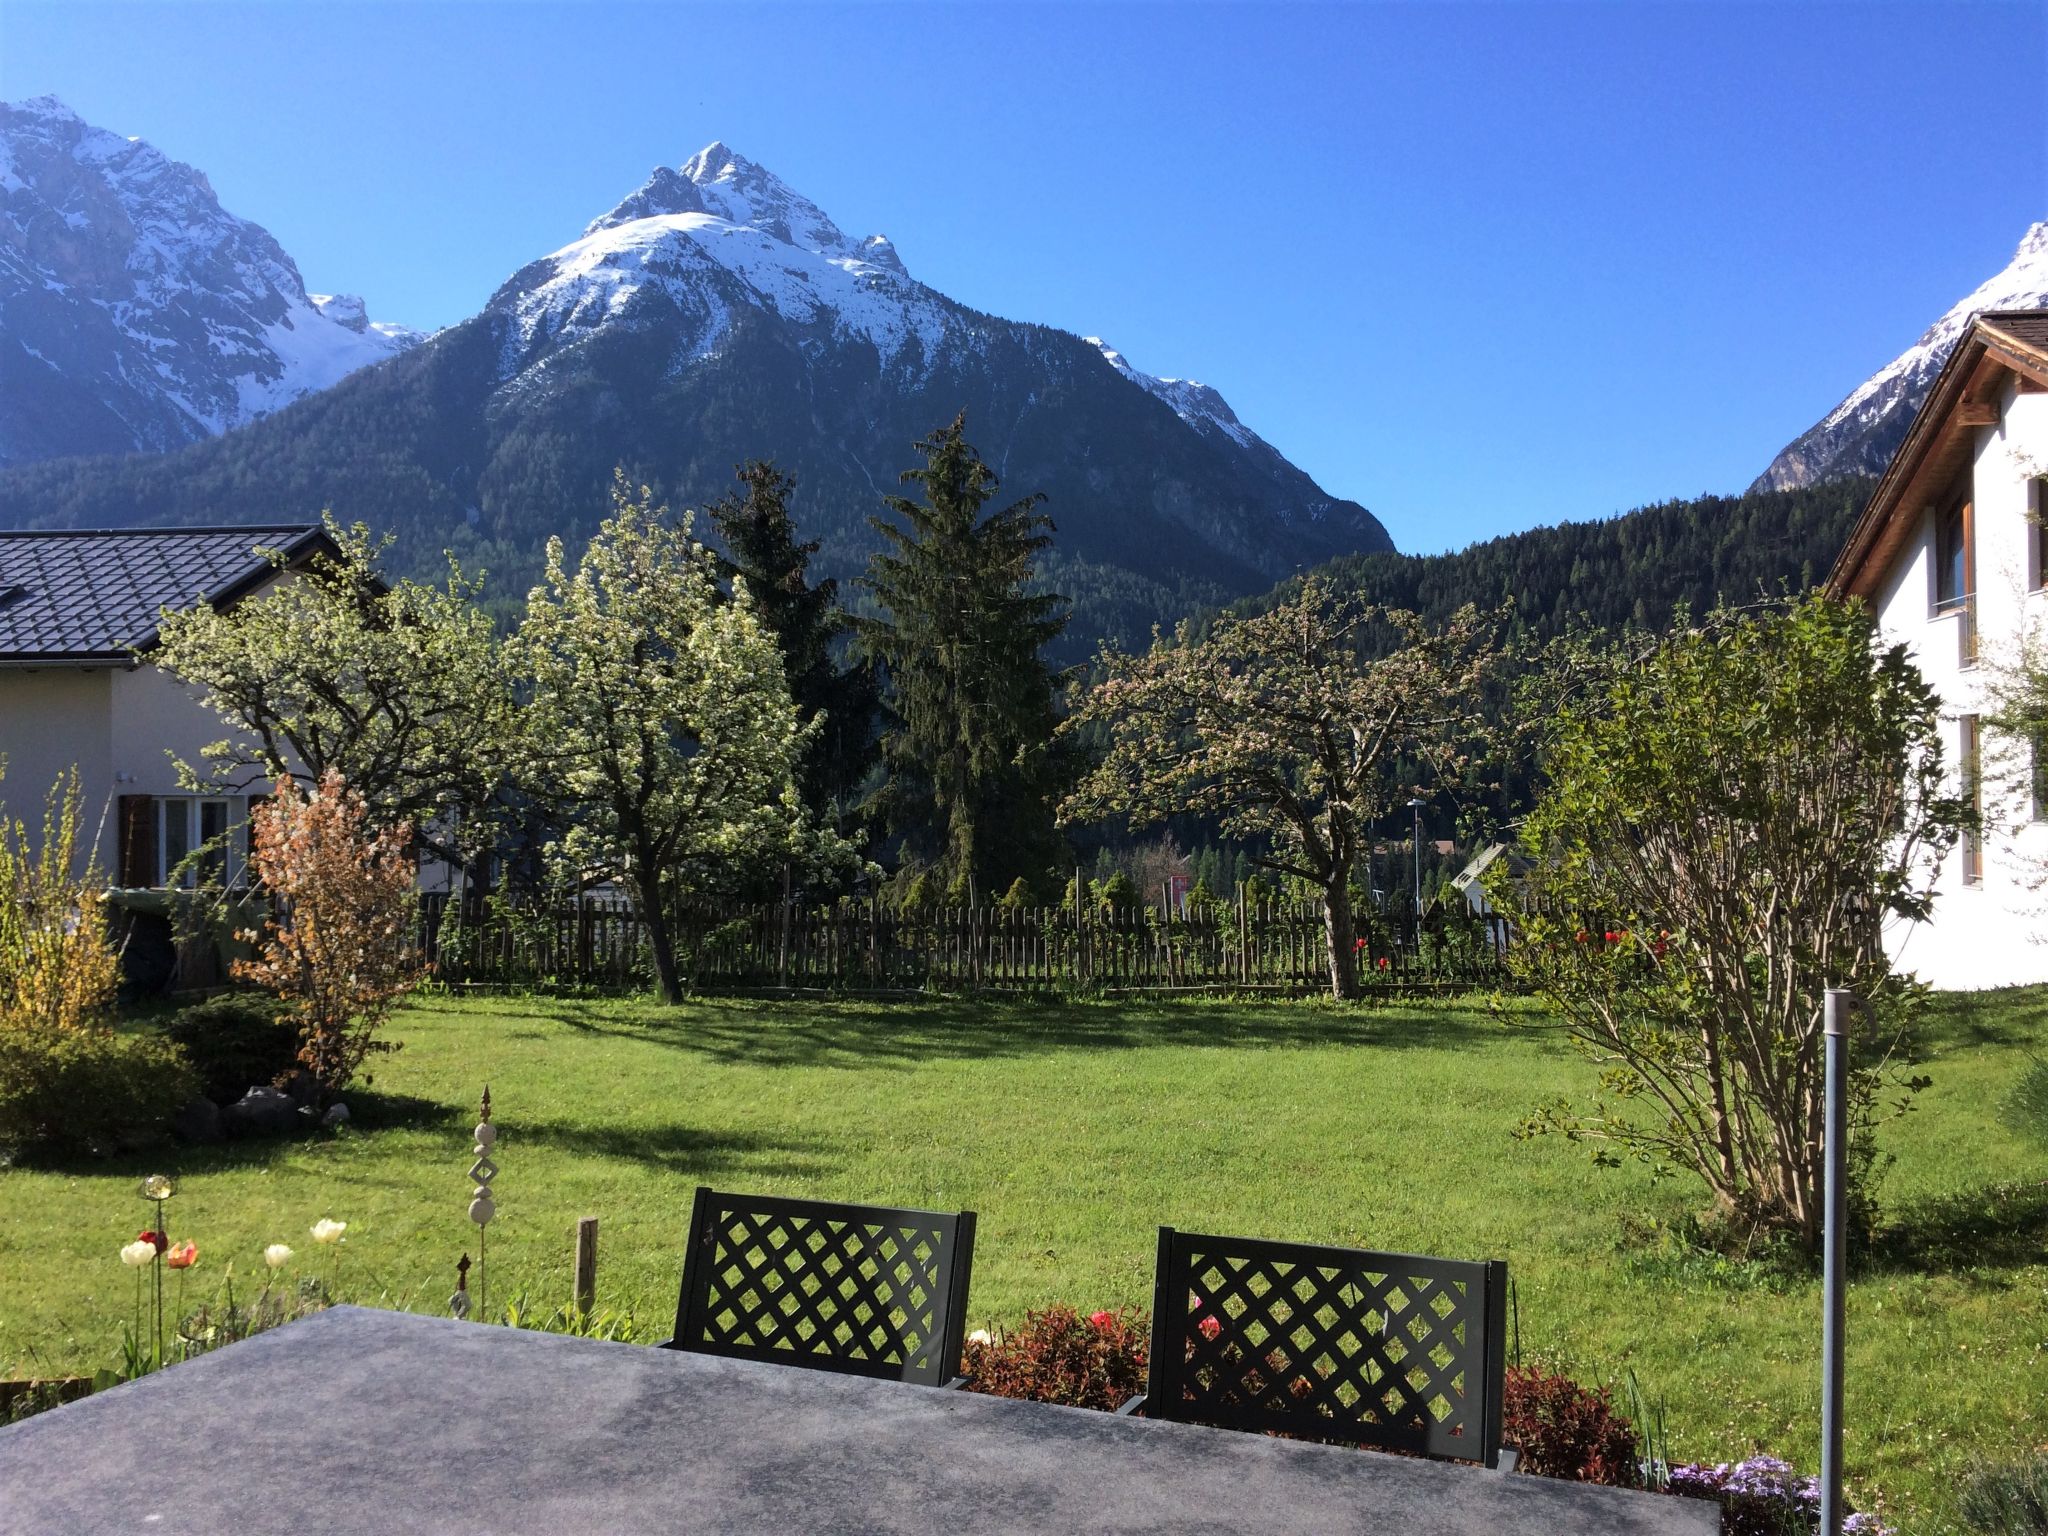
1383, 1349
860, 1289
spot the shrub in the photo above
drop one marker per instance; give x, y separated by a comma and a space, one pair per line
81, 1090
341, 957
1059, 1356
2026, 1108
58, 969
1565, 1430
2008, 1499
1763, 1496
236, 1041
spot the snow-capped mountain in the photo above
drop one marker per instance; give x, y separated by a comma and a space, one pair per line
136, 314
1859, 436
716, 315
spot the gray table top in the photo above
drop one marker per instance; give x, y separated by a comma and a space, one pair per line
364, 1421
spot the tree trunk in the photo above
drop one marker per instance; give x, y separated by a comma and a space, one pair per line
1341, 933
646, 887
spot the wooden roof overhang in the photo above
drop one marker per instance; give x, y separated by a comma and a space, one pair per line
1941, 441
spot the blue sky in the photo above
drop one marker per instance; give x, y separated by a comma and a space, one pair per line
1478, 267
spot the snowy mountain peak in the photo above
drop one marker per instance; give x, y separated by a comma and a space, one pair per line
1194, 402
144, 314
665, 191
1859, 436
741, 192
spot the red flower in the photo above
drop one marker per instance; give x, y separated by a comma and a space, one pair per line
183, 1255
1385, 962
1210, 1326
155, 1239
1580, 936
1357, 944
1613, 937
1101, 1319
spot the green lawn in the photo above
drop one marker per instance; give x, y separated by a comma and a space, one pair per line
1074, 1130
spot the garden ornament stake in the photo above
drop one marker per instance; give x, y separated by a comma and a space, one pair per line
458, 1304
481, 1206
1835, 1025
157, 1188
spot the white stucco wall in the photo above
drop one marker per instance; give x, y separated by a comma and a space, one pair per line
1994, 933
53, 719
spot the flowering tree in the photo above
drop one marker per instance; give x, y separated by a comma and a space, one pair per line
1728, 824
1296, 729
660, 721
339, 953
397, 686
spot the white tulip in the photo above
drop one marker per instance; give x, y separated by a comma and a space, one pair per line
980, 1336
138, 1253
328, 1231
277, 1255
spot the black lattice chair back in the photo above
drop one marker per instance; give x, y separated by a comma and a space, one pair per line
862, 1289
1384, 1349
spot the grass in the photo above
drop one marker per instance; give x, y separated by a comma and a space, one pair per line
1074, 1130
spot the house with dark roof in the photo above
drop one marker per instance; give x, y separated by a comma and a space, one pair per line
1952, 553
79, 612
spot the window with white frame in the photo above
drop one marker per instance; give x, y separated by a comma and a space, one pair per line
189, 825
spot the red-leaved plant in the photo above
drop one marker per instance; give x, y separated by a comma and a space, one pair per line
339, 954
1565, 1430
1059, 1356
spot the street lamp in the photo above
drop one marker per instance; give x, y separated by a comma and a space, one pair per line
1415, 806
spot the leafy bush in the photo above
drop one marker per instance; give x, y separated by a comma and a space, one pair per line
2009, 1499
58, 968
2026, 1109
80, 1090
1763, 1496
1565, 1430
235, 1042
1059, 1356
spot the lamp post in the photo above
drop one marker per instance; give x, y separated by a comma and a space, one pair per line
1415, 807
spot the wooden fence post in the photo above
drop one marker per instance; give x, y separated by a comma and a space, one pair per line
586, 1264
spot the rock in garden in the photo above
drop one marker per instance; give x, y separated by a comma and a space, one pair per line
261, 1112
197, 1122
337, 1114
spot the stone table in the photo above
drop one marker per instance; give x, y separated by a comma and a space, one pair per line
364, 1421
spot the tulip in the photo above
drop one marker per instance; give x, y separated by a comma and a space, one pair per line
182, 1255
155, 1240
1101, 1319
327, 1231
981, 1336
138, 1253
277, 1255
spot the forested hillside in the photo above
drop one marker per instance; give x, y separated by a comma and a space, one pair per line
1634, 569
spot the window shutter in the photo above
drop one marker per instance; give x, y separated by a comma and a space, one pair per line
138, 840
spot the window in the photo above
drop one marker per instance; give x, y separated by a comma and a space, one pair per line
1951, 558
185, 824
2037, 778
1971, 758
2037, 530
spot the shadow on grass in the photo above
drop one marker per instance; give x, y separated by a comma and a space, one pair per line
685, 1149
2006, 1017
776, 1033
1996, 1226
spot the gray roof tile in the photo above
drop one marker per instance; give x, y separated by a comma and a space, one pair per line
82, 595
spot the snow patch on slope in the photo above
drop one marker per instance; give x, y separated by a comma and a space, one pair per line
1194, 402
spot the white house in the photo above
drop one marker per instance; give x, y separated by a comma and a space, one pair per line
1951, 553
78, 618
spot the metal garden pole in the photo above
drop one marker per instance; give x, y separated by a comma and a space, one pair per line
1415, 806
1835, 1147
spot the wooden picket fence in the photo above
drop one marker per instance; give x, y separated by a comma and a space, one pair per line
869, 947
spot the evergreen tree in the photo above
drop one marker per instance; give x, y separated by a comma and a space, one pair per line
807, 624
969, 746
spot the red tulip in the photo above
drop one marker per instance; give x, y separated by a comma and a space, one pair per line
182, 1255
1101, 1319
155, 1239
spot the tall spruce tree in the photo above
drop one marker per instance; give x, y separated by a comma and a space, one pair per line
807, 623
973, 766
